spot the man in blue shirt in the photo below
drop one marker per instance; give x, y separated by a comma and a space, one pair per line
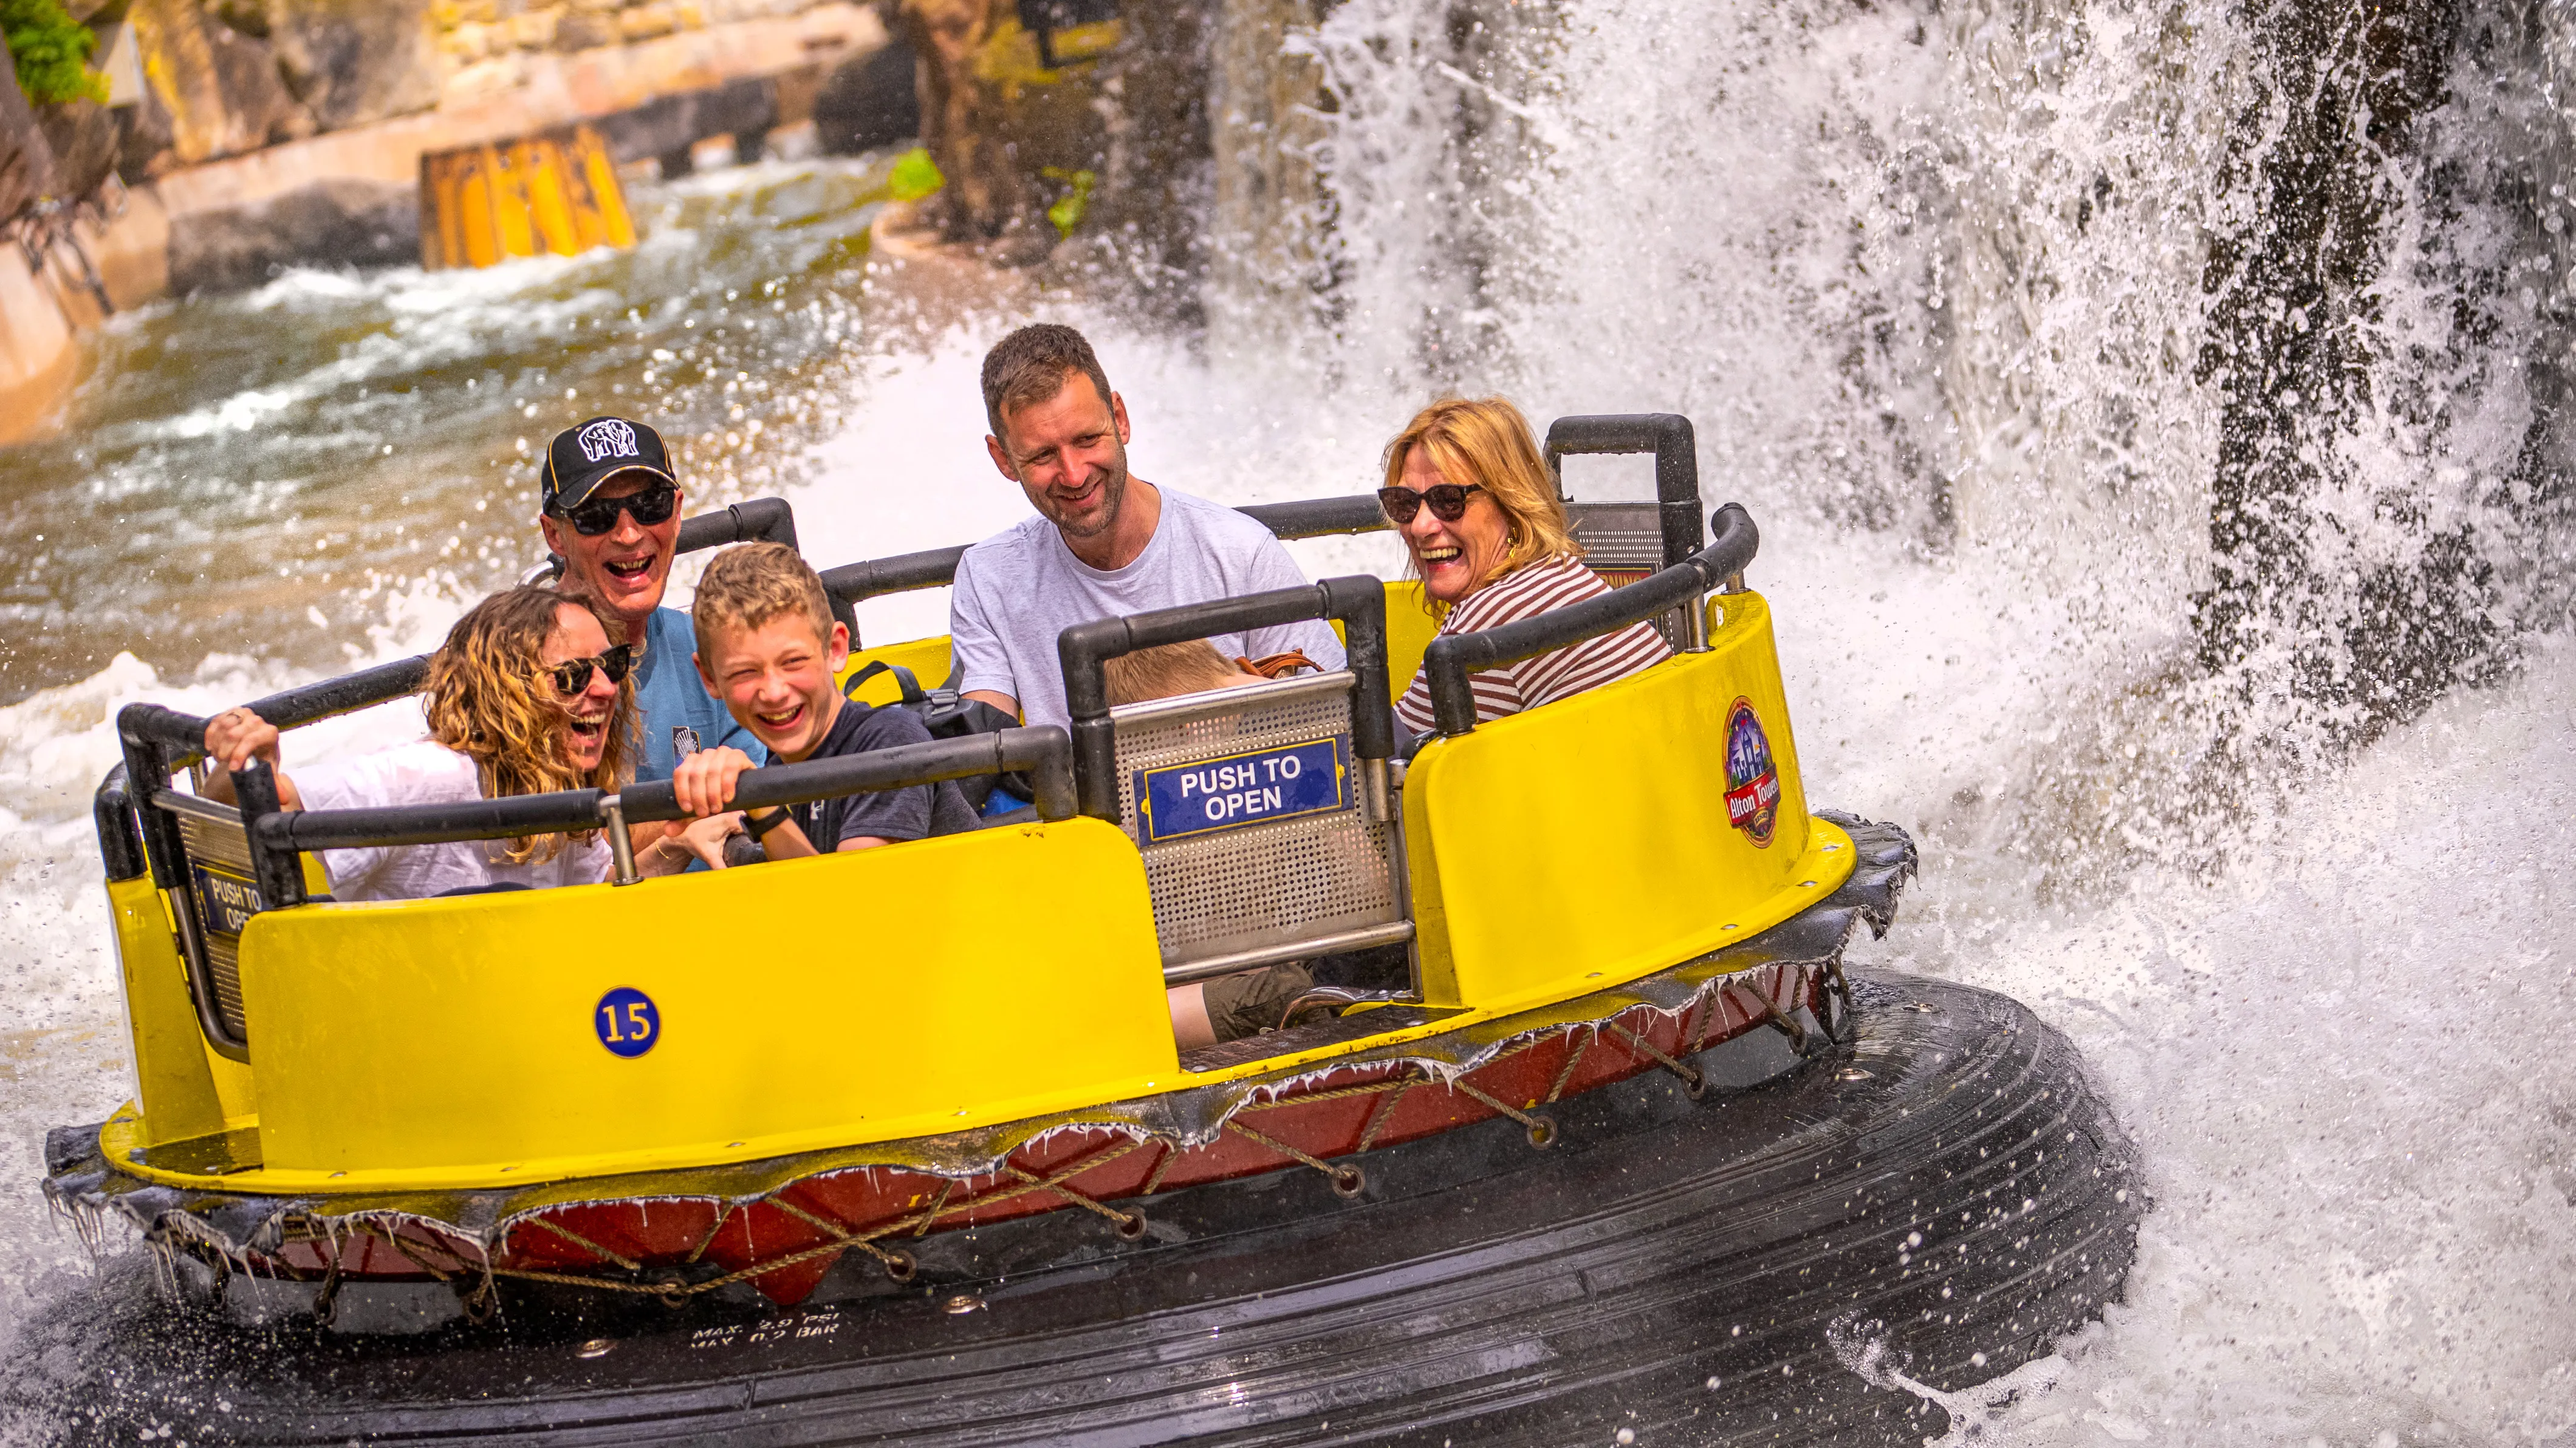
610, 508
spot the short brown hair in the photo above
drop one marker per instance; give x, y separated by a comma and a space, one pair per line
1168, 669
748, 586
1488, 443
1031, 365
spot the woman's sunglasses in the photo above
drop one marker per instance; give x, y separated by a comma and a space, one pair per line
651, 507
1448, 501
573, 675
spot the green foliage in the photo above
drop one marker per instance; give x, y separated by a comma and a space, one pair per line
915, 174
1067, 212
48, 47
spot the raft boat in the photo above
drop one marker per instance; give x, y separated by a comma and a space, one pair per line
1591, 1131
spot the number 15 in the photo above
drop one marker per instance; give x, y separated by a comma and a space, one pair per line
639, 1026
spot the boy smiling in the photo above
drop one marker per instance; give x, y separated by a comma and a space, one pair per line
769, 648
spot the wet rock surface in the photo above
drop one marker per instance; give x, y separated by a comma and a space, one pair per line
355, 61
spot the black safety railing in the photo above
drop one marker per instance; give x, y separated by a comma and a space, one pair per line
1358, 602
1669, 436
761, 520
937, 567
1452, 657
157, 742
277, 836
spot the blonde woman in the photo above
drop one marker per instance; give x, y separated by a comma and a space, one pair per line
525, 697
1489, 539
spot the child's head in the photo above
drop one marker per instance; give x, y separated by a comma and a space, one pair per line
768, 646
1170, 669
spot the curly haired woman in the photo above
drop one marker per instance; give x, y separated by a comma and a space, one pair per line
525, 697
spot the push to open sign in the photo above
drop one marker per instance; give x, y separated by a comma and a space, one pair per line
1254, 788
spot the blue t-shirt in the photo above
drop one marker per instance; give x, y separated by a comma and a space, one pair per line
669, 695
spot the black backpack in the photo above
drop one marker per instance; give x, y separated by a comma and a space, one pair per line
949, 715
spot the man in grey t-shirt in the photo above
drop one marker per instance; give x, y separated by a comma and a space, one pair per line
1104, 545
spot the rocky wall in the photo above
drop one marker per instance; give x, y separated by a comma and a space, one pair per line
1091, 152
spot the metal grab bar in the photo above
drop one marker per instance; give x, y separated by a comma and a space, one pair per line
1670, 437
937, 567
1452, 657
1357, 600
276, 837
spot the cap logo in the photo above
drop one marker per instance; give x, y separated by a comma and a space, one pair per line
607, 438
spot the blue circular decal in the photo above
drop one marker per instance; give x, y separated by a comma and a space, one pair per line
627, 1022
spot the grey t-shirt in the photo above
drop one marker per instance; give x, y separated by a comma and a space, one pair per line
1021, 587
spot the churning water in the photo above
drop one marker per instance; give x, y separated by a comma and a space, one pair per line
2152, 410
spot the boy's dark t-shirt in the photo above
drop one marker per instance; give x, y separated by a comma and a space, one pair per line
895, 814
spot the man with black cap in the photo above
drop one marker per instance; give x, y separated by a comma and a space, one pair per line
611, 510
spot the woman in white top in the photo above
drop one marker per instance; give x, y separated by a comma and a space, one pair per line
525, 697
1467, 488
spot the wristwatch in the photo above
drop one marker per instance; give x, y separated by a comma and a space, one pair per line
756, 827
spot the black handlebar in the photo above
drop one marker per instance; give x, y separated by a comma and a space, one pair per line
901, 573
1358, 601
937, 567
1452, 657
277, 837
1669, 436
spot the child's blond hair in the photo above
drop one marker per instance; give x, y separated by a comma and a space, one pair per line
748, 586
1168, 669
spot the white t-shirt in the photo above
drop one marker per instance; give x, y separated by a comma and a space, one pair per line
1021, 587
426, 772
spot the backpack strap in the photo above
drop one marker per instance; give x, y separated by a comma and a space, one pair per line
903, 679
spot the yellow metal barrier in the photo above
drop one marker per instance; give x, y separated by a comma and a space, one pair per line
483, 205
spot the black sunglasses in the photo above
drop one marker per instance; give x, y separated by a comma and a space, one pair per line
573, 675
1448, 501
651, 507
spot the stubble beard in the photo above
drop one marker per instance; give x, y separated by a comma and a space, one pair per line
1113, 495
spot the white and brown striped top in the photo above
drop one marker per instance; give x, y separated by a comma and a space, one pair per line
1533, 589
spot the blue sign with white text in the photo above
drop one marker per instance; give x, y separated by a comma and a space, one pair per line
627, 1022
230, 900
1244, 789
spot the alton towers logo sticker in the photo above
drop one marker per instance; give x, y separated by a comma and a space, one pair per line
1752, 780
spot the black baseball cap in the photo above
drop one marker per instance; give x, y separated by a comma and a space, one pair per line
585, 456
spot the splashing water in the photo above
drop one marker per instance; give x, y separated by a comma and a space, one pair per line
1961, 302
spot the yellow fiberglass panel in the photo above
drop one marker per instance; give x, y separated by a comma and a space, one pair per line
1409, 631
926, 658
185, 1088
1615, 832
829, 1001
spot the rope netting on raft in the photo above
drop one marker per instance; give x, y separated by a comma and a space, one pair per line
782, 1241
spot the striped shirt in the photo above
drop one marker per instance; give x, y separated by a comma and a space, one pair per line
1533, 589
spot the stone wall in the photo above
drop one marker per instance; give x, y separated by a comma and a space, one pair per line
1128, 126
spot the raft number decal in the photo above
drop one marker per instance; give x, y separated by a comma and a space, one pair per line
627, 1022
1752, 780
1254, 788
229, 900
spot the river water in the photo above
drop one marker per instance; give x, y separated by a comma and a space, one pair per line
1940, 289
